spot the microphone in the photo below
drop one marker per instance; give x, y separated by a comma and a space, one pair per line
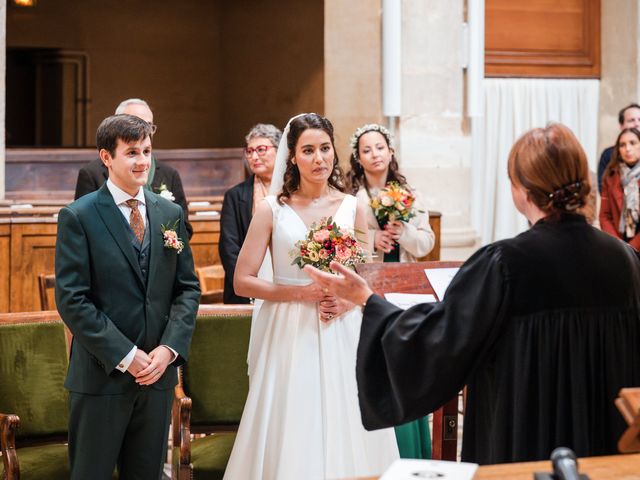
565, 465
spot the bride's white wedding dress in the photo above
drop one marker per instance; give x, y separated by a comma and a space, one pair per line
302, 418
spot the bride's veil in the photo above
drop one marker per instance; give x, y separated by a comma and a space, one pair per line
277, 178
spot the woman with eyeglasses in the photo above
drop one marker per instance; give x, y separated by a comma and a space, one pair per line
620, 207
240, 201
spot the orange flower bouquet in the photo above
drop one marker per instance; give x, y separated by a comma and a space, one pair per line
393, 202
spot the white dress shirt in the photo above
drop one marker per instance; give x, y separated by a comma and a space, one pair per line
121, 197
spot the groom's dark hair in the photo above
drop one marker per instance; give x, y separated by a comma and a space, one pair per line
127, 128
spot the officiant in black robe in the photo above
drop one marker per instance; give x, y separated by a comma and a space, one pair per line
543, 328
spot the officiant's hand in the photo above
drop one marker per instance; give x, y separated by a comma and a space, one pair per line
346, 284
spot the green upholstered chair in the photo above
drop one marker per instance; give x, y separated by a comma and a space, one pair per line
33, 401
212, 392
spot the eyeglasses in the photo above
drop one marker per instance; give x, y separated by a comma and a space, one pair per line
154, 127
260, 150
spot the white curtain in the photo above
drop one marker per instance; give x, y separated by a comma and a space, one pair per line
513, 106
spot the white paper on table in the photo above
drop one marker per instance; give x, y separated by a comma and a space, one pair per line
406, 300
440, 278
416, 469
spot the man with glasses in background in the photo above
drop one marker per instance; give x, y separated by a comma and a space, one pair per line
163, 179
241, 200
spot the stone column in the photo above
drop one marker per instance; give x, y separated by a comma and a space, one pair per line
620, 76
434, 144
352, 67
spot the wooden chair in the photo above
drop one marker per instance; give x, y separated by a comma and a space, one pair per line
33, 401
46, 286
211, 283
211, 394
628, 403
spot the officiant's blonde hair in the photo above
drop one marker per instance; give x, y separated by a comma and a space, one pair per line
550, 164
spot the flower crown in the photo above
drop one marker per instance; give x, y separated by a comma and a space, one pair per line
370, 127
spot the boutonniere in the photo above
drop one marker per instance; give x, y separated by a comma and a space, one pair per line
170, 236
163, 191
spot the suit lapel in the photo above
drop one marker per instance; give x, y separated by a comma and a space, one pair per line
247, 202
155, 234
112, 218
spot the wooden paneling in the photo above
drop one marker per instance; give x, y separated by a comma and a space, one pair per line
204, 243
5, 263
542, 38
52, 173
27, 249
33, 243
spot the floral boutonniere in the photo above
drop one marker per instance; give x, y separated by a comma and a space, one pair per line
170, 236
163, 191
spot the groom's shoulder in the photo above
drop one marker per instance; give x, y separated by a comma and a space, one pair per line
84, 204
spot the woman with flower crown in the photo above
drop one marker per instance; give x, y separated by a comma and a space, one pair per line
301, 419
374, 167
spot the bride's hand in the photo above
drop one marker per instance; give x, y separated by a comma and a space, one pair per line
312, 293
331, 307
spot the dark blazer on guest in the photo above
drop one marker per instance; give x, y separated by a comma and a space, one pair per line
95, 173
234, 223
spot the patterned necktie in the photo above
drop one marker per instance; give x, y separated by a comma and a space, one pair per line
135, 219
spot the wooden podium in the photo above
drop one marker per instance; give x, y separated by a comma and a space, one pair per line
628, 403
410, 278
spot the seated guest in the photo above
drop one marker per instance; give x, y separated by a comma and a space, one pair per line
163, 179
241, 200
628, 117
543, 328
620, 207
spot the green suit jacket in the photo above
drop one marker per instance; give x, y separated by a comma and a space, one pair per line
102, 297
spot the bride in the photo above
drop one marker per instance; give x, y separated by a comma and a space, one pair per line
301, 418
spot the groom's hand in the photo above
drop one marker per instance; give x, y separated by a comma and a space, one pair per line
160, 357
140, 361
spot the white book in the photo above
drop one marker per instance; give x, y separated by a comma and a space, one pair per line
406, 469
406, 300
440, 278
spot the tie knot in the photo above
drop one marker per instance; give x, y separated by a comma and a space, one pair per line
132, 203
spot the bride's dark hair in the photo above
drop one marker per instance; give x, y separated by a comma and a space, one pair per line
292, 175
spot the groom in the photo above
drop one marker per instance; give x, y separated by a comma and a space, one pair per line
130, 298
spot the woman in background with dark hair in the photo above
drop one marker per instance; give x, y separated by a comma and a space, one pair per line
301, 419
373, 166
543, 328
620, 206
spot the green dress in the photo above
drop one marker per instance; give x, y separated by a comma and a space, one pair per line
414, 439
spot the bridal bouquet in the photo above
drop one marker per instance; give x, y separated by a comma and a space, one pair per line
326, 242
393, 202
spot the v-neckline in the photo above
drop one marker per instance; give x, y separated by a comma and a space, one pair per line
307, 227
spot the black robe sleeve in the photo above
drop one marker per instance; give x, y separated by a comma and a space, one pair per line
411, 362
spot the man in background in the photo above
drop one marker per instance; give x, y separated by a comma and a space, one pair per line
163, 179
